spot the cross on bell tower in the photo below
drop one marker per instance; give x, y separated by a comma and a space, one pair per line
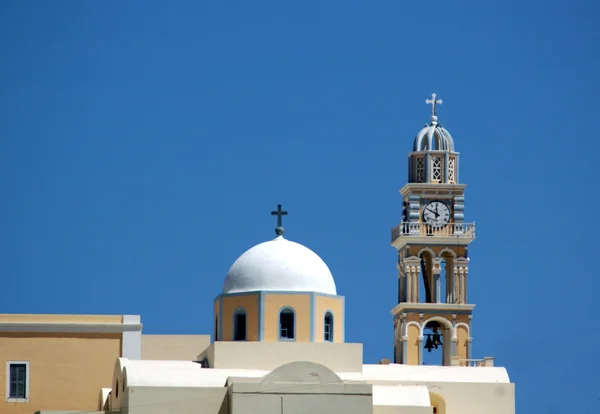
433, 101
432, 242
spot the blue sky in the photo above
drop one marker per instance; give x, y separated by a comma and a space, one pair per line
144, 144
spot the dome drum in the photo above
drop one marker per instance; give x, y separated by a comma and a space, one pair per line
274, 316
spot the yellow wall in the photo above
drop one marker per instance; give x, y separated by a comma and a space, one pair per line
301, 305
66, 370
230, 304
413, 250
461, 344
412, 357
335, 305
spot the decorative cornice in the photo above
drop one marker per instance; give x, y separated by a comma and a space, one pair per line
421, 308
450, 190
69, 327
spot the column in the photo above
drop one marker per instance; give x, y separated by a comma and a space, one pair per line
446, 162
436, 270
411, 271
462, 285
416, 271
449, 274
402, 292
408, 281
420, 343
453, 335
404, 340
466, 272
455, 285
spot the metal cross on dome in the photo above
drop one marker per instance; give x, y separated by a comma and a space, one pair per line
279, 213
434, 101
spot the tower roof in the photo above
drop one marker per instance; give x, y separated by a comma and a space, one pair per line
433, 137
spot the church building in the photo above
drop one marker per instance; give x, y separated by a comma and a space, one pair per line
278, 341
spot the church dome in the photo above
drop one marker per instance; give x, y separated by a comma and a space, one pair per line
433, 137
279, 265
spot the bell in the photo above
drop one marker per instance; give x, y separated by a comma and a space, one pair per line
437, 339
428, 343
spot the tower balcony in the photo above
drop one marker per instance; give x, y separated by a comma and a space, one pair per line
417, 232
482, 362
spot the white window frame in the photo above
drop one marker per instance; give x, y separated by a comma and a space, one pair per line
27, 391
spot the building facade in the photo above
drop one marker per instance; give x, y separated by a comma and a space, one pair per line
279, 342
60, 361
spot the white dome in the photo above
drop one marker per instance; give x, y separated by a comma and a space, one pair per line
280, 265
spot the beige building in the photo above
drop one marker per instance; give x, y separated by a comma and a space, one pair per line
279, 330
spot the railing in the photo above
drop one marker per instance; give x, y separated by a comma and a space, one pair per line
416, 229
483, 362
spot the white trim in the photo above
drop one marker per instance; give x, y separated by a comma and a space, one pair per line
466, 326
69, 327
441, 319
425, 307
426, 249
27, 393
131, 344
447, 250
409, 324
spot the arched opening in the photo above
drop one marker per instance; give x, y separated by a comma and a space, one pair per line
426, 279
240, 325
287, 325
437, 281
447, 281
328, 327
437, 342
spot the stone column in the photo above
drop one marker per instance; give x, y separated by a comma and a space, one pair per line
402, 292
411, 269
465, 274
461, 267
453, 335
420, 342
436, 288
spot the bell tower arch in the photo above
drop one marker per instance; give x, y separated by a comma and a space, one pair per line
432, 243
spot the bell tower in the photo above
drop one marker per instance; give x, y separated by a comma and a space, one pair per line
432, 243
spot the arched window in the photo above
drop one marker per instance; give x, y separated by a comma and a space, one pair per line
239, 325
328, 327
287, 326
217, 328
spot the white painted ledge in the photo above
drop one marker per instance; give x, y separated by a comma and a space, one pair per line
69, 327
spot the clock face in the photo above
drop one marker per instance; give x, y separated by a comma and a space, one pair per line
436, 214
